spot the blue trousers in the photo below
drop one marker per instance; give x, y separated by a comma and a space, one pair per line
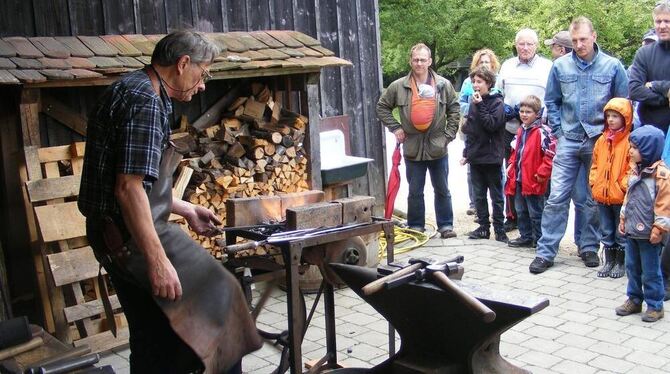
643, 267
529, 214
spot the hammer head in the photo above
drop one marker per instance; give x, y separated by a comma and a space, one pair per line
425, 261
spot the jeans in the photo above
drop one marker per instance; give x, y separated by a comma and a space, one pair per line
416, 177
579, 199
570, 156
643, 268
488, 177
609, 226
529, 214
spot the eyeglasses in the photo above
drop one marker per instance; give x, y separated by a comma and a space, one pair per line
205, 76
525, 44
419, 60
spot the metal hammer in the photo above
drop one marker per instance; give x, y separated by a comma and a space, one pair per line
414, 265
438, 273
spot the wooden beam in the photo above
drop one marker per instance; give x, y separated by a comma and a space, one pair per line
312, 143
29, 109
61, 113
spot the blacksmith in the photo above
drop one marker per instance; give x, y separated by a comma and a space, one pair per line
185, 312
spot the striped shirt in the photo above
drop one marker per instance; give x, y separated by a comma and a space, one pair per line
127, 132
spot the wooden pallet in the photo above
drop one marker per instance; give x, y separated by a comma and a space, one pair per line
66, 261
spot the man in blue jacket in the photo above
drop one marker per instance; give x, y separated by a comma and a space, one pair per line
579, 86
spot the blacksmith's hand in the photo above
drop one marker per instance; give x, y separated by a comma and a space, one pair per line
399, 135
203, 221
164, 279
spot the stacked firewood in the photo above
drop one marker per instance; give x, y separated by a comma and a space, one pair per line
256, 149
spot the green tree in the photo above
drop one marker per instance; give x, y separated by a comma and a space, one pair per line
454, 29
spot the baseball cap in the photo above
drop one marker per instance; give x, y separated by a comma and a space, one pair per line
561, 38
650, 36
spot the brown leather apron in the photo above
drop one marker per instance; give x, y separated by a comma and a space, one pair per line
212, 316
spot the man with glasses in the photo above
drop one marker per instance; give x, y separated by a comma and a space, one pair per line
185, 312
428, 113
520, 76
649, 84
579, 86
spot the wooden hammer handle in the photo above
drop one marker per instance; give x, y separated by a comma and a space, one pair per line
470, 301
378, 284
18, 349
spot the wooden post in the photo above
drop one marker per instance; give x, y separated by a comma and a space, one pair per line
312, 144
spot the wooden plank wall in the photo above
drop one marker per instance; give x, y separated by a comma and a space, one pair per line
348, 27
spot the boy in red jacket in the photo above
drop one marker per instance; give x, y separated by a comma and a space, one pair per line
608, 180
529, 171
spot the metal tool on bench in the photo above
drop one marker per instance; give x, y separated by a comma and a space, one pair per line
440, 333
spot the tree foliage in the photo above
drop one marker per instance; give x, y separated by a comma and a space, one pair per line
454, 29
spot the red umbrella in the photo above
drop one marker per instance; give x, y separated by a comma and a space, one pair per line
394, 182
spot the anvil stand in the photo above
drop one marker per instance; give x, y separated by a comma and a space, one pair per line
292, 251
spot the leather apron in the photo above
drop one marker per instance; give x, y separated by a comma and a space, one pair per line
212, 316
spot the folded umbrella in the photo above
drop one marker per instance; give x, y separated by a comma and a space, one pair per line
394, 182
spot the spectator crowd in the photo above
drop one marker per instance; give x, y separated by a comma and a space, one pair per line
540, 134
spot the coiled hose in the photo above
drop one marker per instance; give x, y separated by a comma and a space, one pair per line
405, 239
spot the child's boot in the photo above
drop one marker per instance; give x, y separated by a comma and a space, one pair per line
482, 232
619, 269
610, 257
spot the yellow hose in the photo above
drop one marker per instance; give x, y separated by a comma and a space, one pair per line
403, 235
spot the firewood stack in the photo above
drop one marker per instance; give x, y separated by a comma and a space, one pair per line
256, 149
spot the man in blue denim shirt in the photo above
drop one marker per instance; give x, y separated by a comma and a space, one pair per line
579, 86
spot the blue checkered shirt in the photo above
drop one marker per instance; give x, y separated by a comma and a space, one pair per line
127, 132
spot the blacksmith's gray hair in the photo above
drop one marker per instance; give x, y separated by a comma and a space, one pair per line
526, 32
181, 43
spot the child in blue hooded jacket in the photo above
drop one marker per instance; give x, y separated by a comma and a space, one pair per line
644, 218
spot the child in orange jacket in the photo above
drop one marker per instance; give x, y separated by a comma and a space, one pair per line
609, 181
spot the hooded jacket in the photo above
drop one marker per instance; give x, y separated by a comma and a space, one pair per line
432, 143
537, 154
485, 128
610, 163
646, 208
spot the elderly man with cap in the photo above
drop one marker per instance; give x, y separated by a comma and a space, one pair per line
560, 44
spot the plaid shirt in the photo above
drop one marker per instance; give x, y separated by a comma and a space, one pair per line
127, 132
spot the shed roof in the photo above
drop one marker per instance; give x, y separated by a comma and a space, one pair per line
63, 61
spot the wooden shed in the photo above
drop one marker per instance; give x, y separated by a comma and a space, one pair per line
47, 103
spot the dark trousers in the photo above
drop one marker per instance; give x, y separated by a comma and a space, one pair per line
154, 346
488, 177
416, 178
529, 214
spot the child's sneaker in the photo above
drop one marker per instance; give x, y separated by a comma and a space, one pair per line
482, 232
501, 236
629, 307
652, 315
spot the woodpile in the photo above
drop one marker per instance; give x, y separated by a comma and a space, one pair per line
255, 149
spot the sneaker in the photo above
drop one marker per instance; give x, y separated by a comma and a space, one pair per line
540, 265
510, 225
652, 315
471, 212
627, 308
480, 233
521, 243
590, 259
500, 236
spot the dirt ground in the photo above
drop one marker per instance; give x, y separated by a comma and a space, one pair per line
459, 195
